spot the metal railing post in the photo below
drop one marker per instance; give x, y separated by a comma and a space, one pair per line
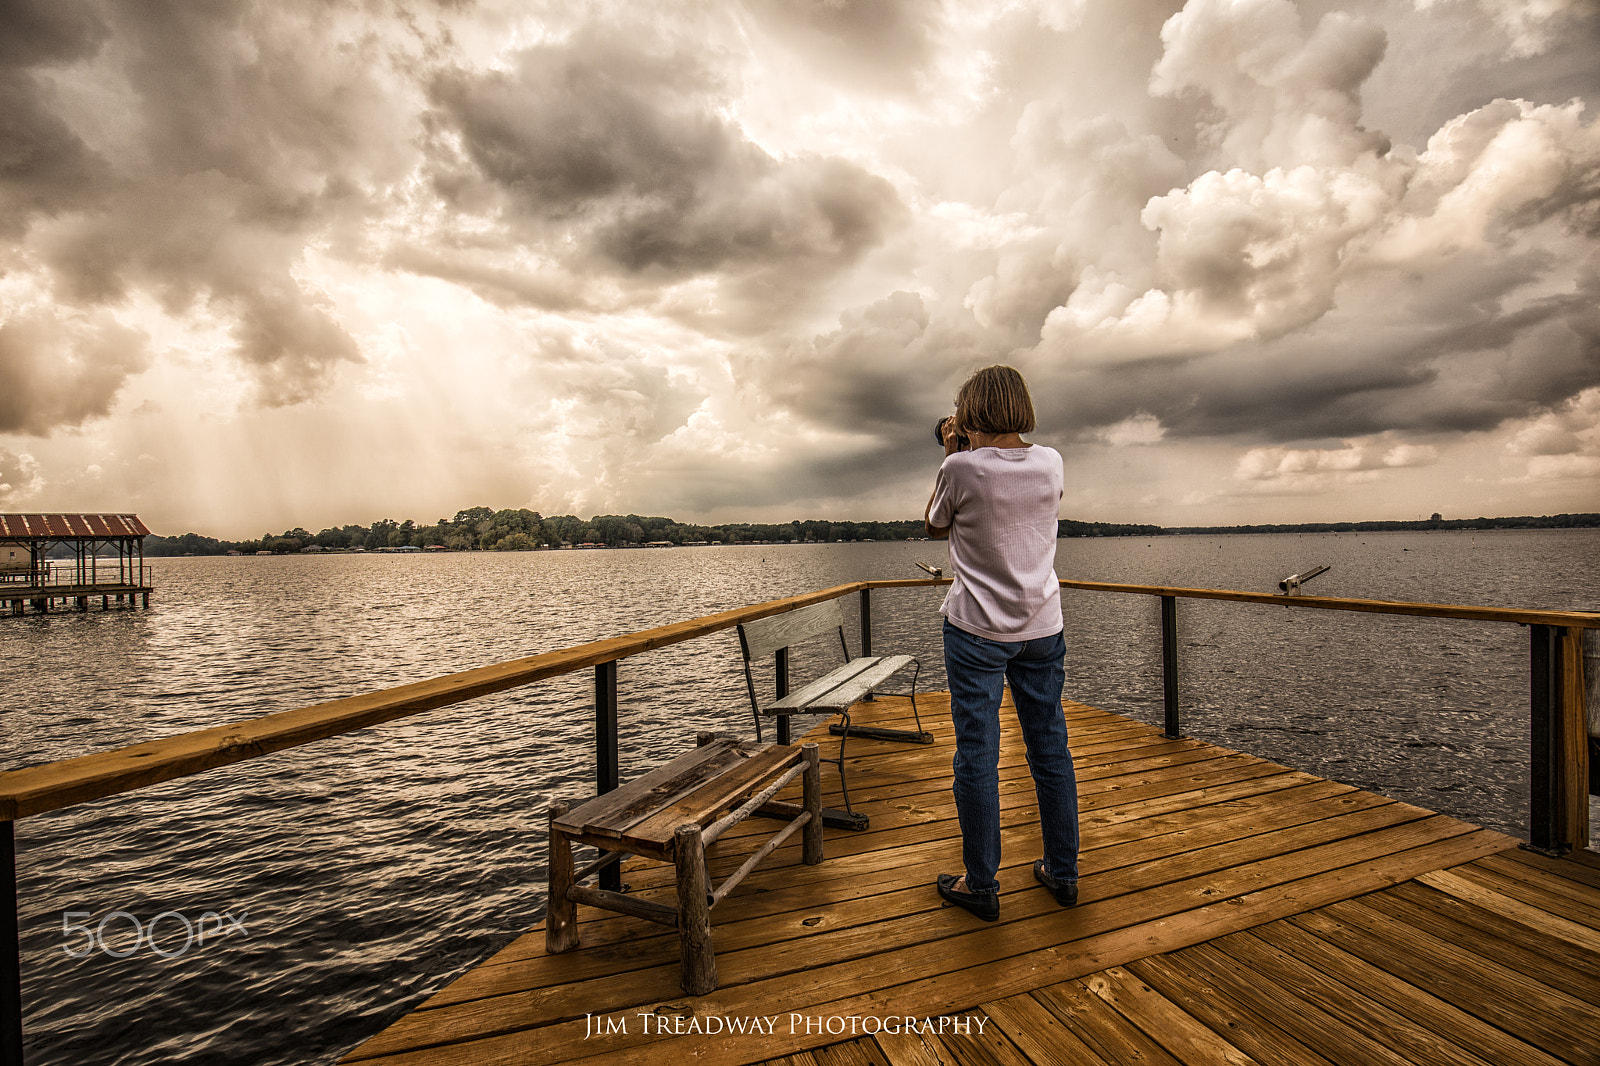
10, 952
780, 671
606, 775
1169, 667
1544, 770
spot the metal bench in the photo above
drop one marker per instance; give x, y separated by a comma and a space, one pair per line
857, 679
673, 813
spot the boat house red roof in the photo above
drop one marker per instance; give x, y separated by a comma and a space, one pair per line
71, 526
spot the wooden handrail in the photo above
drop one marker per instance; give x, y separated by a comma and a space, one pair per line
1580, 619
52, 786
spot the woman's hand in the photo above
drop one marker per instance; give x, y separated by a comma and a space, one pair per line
952, 435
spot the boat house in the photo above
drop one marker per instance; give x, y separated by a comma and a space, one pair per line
66, 559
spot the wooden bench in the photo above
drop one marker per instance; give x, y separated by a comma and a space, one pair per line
834, 693
673, 813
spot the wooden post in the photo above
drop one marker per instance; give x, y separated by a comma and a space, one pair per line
811, 795
696, 951
1574, 742
561, 914
1169, 667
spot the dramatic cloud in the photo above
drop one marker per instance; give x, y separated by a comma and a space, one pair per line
19, 478
880, 45
1531, 25
603, 156
1260, 259
1284, 97
60, 371
44, 166
230, 140
1563, 444
1365, 288
1293, 470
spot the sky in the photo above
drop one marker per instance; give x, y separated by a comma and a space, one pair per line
294, 263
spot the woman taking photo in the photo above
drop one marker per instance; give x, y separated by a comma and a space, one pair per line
998, 500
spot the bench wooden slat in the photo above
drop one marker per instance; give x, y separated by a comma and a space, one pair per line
843, 687
764, 636
802, 698
703, 804
610, 814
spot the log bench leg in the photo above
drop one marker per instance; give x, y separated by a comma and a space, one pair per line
694, 913
561, 914
811, 790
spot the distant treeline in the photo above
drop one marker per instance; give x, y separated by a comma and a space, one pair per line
485, 529
1558, 521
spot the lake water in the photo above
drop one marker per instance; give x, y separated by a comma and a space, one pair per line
350, 878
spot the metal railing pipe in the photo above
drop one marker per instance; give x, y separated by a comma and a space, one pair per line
1544, 734
607, 772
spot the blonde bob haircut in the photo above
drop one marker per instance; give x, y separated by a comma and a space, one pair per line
995, 400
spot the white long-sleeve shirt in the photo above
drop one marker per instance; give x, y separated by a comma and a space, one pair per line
1002, 506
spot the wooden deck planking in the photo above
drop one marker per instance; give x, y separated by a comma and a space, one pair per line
1199, 864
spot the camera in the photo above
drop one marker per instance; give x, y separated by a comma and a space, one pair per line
962, 443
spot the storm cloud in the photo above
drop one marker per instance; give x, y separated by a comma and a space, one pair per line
603, 156
63, 370
729, 261
1318, 282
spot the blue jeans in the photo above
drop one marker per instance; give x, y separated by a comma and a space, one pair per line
977, 669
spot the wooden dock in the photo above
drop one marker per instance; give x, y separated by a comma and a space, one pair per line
30, 576
1232, 911
16, 598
